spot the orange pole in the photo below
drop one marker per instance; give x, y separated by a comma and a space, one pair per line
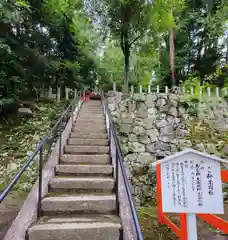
215, 221
183, 227
224, 175
159, 194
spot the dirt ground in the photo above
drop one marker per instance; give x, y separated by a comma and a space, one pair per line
206, 231
212, 233
8, 211
153, 231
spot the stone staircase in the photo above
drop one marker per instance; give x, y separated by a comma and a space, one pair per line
81, 203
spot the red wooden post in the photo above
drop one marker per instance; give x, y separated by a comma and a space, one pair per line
159, 194
183, 227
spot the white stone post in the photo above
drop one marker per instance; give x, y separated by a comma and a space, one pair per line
114, 87
132, 90
50, 92
58, 94
158, 90
192, 91
217, 92
149, 88
166, 89
208, 92
67, 93
201, 93
140, 89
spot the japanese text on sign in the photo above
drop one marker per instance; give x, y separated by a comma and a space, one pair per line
191, 184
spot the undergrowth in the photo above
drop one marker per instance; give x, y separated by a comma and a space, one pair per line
19, 138
150, 227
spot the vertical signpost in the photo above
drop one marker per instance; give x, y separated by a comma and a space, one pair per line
191, 183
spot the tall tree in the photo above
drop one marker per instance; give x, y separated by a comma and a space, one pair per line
128, 22
41, 44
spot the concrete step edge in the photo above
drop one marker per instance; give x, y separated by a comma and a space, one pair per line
80, 169
81, 197
89, 136
100, 157
88, 142
86, 149
83, 203
82, 179
89, 130
65, 226
79, 218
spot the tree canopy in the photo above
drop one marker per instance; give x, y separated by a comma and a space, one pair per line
200, 45
45, 43
73, 43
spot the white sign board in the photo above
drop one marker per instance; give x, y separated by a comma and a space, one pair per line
191, 183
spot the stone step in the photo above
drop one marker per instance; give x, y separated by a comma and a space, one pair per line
81, 124
85, 159
91, 114
71, 149
93, 104
84, 203
98, 109
90, 119
97, 184
93, 110
89, 123
87, 117
84, 170
93, 107
79, 218
101, 227
89, 129
89, 135
88, 142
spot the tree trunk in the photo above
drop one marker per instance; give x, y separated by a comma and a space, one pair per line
126, 71
125, 46
171, 52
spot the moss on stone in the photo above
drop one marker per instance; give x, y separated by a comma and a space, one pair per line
200, 132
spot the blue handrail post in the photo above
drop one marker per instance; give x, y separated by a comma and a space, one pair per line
117, 186
60, 143
72, 113
40, 181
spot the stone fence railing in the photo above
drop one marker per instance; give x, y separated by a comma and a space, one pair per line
209, 92
69, 93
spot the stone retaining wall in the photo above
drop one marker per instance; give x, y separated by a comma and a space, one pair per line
152, 126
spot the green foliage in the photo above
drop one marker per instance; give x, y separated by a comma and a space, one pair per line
199, 42
193, 81
19, 138
44, 43
149, 224
202, 133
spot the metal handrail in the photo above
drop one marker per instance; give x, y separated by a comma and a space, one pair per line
120, 162
57, 129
